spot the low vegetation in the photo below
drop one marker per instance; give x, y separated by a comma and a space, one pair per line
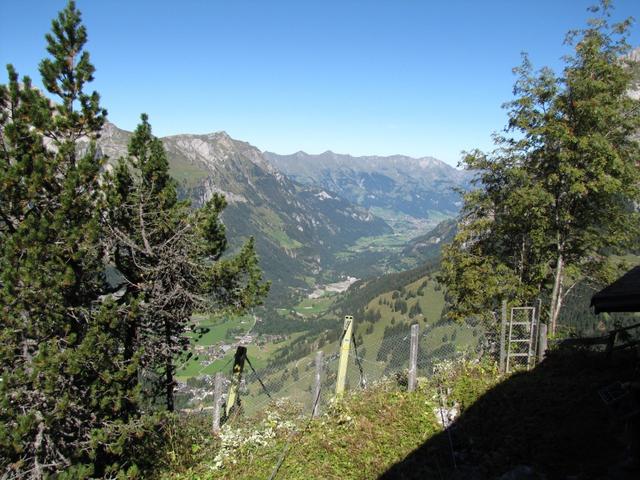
550, 420
358, 437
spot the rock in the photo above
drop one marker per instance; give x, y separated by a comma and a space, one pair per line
522, 472
446, 416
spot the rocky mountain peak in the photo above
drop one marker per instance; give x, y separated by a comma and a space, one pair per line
113, 141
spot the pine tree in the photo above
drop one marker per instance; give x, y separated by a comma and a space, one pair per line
65, 384
74, 347
170, 257
559, 191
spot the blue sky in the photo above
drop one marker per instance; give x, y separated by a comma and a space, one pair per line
377, 77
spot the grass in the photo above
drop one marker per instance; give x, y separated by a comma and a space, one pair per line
282, 238
259, 356
216, 335
380, 243
359, 437
551, 419
407, 226
187, 173
431, 301
314, 306
274, 228
219, 327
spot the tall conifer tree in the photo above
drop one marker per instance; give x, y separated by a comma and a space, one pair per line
73, 351
65, 383
170, 258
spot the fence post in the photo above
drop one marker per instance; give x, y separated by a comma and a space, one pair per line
344, 354
542, 341
503, 333
238, 367
316, 392
217, 400
413, 358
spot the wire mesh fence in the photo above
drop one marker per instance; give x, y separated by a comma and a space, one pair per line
577, 318
289, 373
375, 360
369, 361
294, 382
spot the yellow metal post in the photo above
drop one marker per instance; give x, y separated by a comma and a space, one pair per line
344, 354
238, 366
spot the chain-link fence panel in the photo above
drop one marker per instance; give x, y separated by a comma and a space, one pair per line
577, 318
369, 362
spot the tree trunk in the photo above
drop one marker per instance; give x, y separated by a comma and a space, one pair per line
169, 386
131, 335
556, 300
522, 254
130, 343
559, 302
168, 369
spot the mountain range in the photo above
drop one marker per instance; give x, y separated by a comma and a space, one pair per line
418, 187
298, 228
302, 209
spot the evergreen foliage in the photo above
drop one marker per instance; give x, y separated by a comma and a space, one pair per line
65, 384
169, 257
74, 353
559, 191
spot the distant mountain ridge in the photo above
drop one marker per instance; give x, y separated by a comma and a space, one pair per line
298, 228
412, 186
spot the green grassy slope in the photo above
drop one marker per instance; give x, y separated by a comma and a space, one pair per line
212, 332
